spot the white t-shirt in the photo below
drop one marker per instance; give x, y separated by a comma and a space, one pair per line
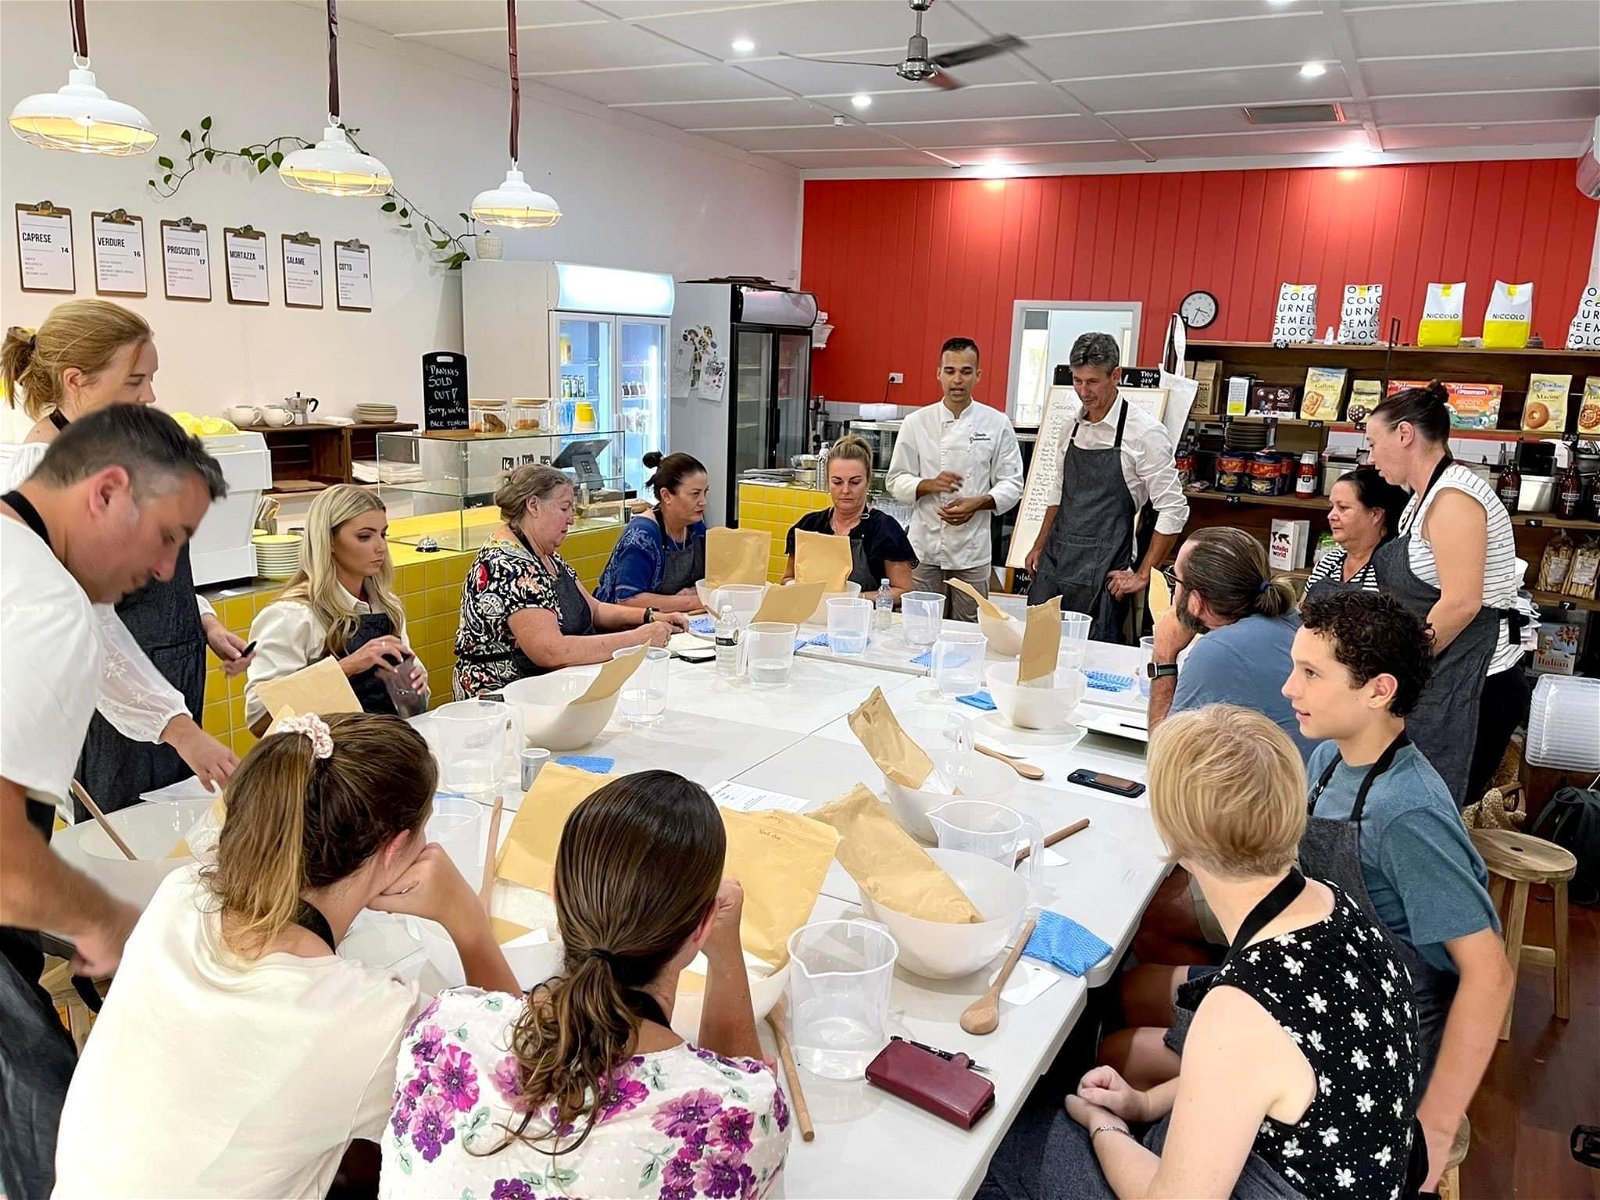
50, 666
207, 1075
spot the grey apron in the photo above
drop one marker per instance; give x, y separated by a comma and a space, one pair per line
1444, 722
685, 564
367, 686
1091, 537
165, 620
860, 568
572, 615
1332, 584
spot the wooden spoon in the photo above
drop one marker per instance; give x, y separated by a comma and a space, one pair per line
486, 890
1051, 839
983, 1014
94, 810
1026, 770
797, 1098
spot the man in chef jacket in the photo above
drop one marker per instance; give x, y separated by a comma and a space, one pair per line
955, 462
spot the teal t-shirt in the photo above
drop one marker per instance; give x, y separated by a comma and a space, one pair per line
1422, 871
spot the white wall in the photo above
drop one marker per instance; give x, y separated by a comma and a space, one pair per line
635, 193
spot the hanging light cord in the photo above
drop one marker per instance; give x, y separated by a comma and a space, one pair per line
80, 33
333, 63
516, 78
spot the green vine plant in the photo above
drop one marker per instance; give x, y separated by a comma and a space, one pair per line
449, 249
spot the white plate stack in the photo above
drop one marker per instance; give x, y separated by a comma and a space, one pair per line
1562, 723
372, 413
277, 554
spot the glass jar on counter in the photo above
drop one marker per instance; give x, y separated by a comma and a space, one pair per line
487, 416
530, 414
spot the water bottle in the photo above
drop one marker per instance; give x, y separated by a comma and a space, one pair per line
884, 617
727, 634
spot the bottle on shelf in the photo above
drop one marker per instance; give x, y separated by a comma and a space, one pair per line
1509, 484
883, 618
1569, 491
1305, 484
1594, 497
727, 638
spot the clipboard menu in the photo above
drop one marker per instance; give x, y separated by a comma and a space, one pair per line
44, 248
246, 252
185, 260
1061, 404
302, 271
118, 241
352, 268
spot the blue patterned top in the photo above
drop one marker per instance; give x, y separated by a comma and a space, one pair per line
638, 560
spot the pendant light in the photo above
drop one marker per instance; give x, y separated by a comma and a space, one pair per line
333, 167
515, 205
80, 117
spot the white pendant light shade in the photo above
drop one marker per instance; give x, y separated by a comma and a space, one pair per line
82, 118
515, 205
333, 167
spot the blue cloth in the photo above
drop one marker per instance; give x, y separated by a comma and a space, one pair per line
818, 639
925, 659
978, 700
703, 625
595, 764
1107, 682
1421, 869
638, 560
1062, 942
1246, 663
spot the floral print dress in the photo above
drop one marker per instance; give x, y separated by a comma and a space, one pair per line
503, 579
682, 1124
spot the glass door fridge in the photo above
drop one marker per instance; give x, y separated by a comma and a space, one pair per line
642, 390
586, 398
792, 394
753, 426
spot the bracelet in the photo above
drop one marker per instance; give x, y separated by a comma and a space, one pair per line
1099, 1129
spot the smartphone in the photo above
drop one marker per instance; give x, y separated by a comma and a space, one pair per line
1114, 784
248, 650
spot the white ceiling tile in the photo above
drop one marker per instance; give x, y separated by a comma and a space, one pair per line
1025, 17
1180, 121
646, 84
1489, 107
1016, 131
1578, 67
565, 48
404, 17
1240, 85
1184, 47
735, 114
817, 27
644, 10
846, 158
1060, 152
909, 102
1567, 135
815, 137
1298, 141
1505, 25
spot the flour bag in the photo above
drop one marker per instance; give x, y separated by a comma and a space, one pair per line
1441, 315
1358, 316
1296, 318
1509, 316
1584, 332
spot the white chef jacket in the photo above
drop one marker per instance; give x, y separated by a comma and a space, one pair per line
981, 447
1147, 466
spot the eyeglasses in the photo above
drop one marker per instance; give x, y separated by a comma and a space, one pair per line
1170, 574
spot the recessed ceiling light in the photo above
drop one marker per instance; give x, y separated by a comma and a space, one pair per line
861, 100
1313, 69
743, 45
1355, 157
1279, 3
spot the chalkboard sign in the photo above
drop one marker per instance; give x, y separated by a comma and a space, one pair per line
444, 390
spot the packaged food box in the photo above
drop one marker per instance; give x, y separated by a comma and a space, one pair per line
1545, 410
1557, 653
1589, 407
1273, 399
1324, 393
1472, 405
1365, 395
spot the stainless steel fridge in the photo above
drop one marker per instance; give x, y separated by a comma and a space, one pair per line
758, 417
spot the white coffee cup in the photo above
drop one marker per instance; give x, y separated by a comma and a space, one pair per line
272, 415
242, 414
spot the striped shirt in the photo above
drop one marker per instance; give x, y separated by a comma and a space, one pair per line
1501, 577
1332, 567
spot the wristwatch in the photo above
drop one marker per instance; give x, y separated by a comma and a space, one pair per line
1157, 670
649, 615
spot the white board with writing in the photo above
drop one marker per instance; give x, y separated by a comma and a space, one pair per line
185, 261
302, 272
1061, 406
247, 266
44, 250
352, 264
119, 268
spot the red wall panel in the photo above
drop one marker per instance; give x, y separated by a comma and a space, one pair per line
902, 264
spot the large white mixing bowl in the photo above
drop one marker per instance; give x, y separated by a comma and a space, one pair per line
152, 830
549, 716
984, 779
1048, 708
939, 950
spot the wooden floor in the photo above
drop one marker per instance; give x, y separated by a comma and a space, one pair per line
1544, 1080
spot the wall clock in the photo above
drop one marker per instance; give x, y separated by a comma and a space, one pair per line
1198, 309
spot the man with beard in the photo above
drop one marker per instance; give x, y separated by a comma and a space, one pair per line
1221, 589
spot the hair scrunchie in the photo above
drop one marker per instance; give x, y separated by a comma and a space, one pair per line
314, 728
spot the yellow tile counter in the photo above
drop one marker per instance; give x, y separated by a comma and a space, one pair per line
775, 508
429, 586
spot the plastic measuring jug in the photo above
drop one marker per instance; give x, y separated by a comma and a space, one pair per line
479, 743
839, 995
991, 830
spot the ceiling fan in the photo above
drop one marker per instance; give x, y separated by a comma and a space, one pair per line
918, 67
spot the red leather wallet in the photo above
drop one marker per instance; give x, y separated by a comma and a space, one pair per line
944, 1087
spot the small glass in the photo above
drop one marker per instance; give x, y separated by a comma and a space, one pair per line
849, 625
533, 760
769, 650
644, 695
1147, 655
958, 663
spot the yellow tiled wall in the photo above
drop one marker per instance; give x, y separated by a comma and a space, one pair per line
776, 509
429, 587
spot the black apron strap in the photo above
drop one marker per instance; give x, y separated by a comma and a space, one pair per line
310, 918
1268, 910
1385, 761
1122, 421
24, 508
59, 419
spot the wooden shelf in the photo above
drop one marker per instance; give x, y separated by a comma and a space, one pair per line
1548, 521
1318, 502
1550, 600
328, 427
1382, 348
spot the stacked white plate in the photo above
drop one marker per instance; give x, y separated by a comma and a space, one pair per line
277, 554
376, 414
1562, 723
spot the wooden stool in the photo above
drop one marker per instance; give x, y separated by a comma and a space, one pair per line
1522, 860
1450, 1181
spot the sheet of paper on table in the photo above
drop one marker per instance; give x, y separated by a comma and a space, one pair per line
1027, 983
742, 798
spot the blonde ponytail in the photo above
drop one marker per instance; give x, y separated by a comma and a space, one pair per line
86, 334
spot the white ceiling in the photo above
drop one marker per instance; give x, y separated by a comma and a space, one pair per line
1099, 81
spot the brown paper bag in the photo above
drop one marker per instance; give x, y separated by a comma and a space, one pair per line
1041, 644
985, 605
736, 556
889, 866
897, 756
1160, 598
505, 931
822, 557
793, 604
528, 855
613, 675
320, 688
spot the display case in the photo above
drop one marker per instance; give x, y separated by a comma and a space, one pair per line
453, 477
